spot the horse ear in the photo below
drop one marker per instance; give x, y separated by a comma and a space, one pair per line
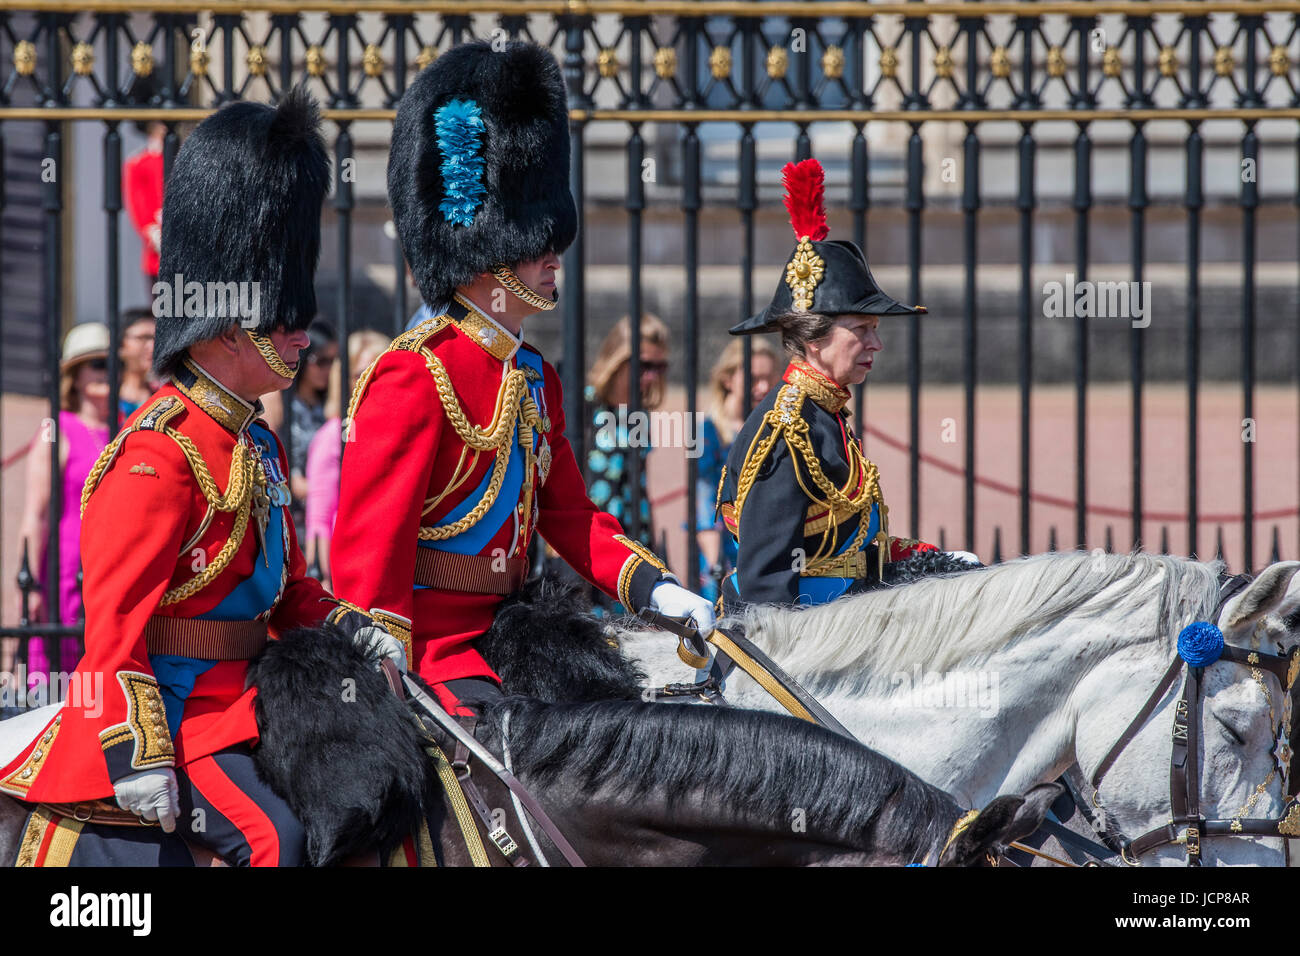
1274, 589
969, 846
1031, 813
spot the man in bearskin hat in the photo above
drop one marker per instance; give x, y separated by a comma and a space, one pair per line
190, 561
803, 502
456, 454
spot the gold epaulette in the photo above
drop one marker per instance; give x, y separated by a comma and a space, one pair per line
412, 340
155, 418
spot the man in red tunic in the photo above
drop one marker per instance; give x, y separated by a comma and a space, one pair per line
189, 560
455, 453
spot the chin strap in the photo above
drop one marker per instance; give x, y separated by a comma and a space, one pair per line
270, 355
512, 284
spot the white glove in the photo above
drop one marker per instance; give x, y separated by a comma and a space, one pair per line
675, 601
151, 794
373, 639
965, 556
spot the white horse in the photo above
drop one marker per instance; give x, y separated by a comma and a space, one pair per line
993, 680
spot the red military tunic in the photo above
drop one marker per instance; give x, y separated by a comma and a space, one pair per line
430, 426
151, 545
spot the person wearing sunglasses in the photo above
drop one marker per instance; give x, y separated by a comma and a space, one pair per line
82, 432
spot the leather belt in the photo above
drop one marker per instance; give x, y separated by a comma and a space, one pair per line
472, 573
840, 566
99, 811
205, 640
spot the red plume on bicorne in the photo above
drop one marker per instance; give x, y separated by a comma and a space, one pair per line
804, 197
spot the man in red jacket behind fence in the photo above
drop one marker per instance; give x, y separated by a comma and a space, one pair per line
455, 453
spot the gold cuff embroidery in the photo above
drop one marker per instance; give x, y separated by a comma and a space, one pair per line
400, 628
640, 553
21, 780
146, 722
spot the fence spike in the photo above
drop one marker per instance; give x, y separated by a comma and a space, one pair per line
1276, 554
997, 544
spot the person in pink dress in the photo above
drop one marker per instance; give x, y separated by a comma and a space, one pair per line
82, 433
325, 452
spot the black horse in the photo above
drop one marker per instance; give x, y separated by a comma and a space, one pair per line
627, 782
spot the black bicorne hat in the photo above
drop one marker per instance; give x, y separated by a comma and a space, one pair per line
478, 170
242, 206
827, 277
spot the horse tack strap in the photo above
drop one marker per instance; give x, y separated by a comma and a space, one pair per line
1131, 731
451, 786
497, 834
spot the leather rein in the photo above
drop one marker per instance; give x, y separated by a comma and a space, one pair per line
1184, 769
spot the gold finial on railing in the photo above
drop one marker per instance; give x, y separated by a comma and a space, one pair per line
315, 60
1168, 61
666, 62
25, 57
1279, 61
607, 62
372, 60
142, 59
83, 59
426, 57
720, 62
888, 63
833, 62
1224, 63
1055, 62
943, 63
256, 60
199, 61
1111, 64
1000, 62
777, 63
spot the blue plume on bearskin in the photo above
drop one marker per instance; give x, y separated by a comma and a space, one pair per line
525, 209
460, 133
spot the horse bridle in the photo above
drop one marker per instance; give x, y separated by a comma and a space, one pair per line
1184, 772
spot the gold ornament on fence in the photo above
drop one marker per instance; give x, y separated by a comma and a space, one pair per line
1278, 61
315, 60
1001, 62
83, 59
666, 62
833, 62
426, 57
1111, 65
720, 62
1055, 62
803, 273
25, 57
1223, 61
1168, 61
943, 63
372, 60
888, 63
256, 60
199, 61
778, 61
607, 62
142, 59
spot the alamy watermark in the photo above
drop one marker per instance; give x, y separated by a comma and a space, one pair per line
1098, 300
642, 429
933, 690
176, 298
20, 691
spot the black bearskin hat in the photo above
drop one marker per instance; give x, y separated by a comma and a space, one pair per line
478, 171
242, 205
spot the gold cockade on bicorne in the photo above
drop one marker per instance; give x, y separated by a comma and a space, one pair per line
803, 273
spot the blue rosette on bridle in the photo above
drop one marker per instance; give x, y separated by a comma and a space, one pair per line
1200, 644
459, 125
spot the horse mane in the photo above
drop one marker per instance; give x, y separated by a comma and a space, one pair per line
952, 621
759, 766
